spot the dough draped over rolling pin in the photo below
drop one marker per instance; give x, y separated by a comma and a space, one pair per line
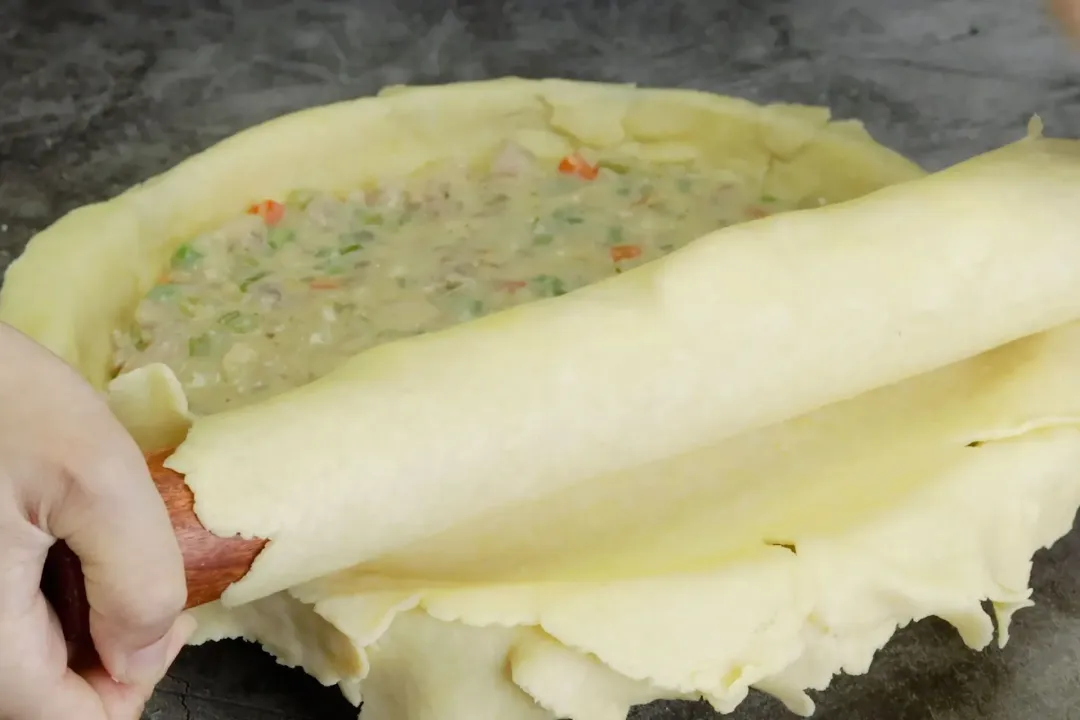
743, 465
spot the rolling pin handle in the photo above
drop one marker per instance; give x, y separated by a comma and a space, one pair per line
64, 586
211, 564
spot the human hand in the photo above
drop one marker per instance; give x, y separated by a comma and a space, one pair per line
69, 471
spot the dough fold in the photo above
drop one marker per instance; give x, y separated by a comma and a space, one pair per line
742, 466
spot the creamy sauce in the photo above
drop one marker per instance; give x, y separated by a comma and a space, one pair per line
285, 293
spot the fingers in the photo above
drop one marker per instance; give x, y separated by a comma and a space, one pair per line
80, 477
113, 518
36, 684
35, 681
126, 701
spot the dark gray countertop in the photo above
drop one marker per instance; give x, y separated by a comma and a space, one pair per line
98, 94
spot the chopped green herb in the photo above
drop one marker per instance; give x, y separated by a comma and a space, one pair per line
615, 235
344, 307
252, 279
350, 248
667, 247
685, 185
357, 237
187, 307
371, 218
238, 321
476, 308
568, 216
185, 257
550, 285
332, 267
199, 345
768, 199
614, 166
163, 293
543, 239
278, 236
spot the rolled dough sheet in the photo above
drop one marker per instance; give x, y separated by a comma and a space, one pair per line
744, 465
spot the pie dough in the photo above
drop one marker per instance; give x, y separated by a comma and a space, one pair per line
743, 465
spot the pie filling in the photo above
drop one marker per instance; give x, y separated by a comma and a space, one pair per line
286, 292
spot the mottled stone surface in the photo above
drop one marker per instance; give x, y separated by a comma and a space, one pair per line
99, 94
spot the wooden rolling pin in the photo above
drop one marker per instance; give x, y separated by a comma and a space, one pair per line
211, 564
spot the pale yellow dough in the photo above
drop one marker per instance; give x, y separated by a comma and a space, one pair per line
583, 504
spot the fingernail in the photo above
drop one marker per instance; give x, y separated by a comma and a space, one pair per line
145, 666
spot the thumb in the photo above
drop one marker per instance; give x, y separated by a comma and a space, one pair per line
126, 701
113, 518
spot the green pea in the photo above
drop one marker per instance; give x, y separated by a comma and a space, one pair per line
278, 236
185, 257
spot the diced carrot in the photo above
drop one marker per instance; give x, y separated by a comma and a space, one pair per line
324, 284
624, 252
270, 211
513, 285
575, 164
